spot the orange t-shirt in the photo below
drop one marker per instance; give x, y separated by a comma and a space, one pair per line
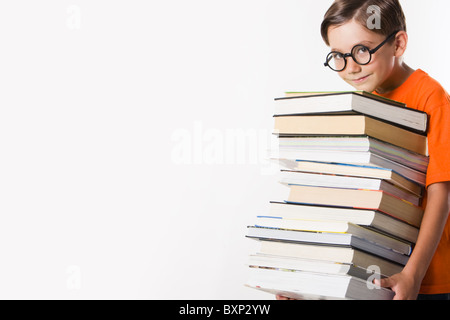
423, 93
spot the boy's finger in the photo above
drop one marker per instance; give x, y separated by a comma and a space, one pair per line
383, 283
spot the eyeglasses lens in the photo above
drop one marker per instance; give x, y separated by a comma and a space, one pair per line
361, 54
336, 61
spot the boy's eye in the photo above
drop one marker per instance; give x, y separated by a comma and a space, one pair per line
363, 50
338, 56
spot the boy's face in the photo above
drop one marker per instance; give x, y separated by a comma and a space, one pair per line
373, 75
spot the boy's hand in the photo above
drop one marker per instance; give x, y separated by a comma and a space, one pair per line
404, 286
283, 298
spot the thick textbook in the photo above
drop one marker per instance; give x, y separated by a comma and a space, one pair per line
350, 125
357, 144
337, 254
358, 158
368, 218
361, 199
259, 260
360, 241
364, 171
354, 102
309, 285
338, 231
346, 182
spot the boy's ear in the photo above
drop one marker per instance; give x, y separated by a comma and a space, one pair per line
401, 43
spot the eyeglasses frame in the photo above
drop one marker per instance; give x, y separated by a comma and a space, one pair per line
347, 55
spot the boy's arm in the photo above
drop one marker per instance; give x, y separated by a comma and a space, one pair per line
406, 284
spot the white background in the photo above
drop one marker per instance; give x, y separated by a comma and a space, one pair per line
93, 97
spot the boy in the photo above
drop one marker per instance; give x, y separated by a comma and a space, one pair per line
369, 58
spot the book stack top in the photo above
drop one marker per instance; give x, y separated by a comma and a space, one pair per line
353, 102
355, 167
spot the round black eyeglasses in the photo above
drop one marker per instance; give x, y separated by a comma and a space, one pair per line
362, 55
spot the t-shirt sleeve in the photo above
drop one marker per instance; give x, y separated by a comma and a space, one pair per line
438, 137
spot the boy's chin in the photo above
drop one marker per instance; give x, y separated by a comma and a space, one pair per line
364, 87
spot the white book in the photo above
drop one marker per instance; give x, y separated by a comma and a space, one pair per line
297, 264
355, 158
339, 254
332, 239
346, 182
369, 218
363, 171
309, 285
357, 144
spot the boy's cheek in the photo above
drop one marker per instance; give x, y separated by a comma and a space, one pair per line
343, 76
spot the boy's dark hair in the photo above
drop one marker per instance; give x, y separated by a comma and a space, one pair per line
391, 15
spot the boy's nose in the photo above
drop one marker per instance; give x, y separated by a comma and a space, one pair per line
352, 66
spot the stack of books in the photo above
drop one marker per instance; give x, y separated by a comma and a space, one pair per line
355, 167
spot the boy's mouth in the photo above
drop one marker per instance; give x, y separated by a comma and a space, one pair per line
360, 80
